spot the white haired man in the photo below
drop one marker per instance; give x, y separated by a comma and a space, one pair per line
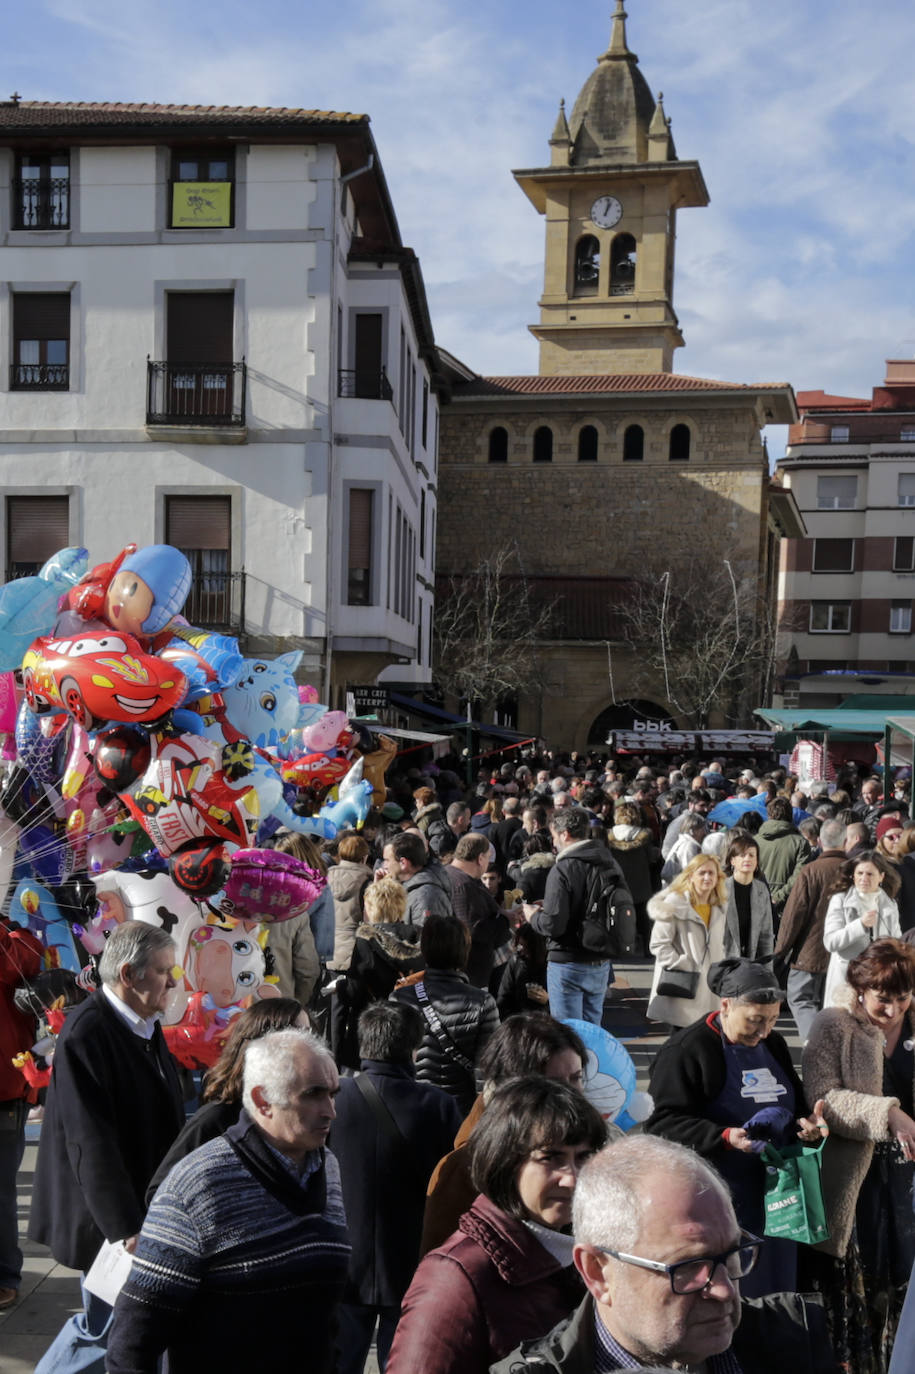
114, 1107
244, 1252
661, 1255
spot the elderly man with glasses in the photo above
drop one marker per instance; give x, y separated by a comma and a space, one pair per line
660, 1252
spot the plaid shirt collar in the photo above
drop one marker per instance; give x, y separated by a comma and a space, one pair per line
609, 1355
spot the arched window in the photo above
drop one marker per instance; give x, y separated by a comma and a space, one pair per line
679, 444
498, 445
633, 444
587, 444
543, 445
587, 265
622, 265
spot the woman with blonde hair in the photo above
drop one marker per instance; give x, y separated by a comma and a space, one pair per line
383, 952
687, 937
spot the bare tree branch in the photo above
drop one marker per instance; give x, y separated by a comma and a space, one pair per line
706, 633
487, 628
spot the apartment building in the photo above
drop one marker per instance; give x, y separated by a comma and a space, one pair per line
846, 590
212, 335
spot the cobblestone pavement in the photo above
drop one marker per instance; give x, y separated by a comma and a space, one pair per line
50, 1293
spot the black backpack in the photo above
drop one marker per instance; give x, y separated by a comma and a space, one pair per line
608, 925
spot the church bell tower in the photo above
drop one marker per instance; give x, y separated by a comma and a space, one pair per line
610, 197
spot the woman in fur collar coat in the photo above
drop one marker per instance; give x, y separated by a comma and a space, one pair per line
384, 952
859, 1059
688, 935
860, 911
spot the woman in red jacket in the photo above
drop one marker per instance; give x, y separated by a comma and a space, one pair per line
506, 1275
20, 959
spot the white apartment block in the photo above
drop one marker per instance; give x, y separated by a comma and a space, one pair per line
211, 335
846, 591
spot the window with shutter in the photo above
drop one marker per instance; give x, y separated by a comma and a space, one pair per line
36, 527
359, 549
41, 341
199, 345
41, 191
201, 526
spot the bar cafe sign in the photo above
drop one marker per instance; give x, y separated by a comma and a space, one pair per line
201, 204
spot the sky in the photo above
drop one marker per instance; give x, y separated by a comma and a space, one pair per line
799, 112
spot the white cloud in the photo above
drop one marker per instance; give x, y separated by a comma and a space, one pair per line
799, 114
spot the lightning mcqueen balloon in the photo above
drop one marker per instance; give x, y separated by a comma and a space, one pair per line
99, 676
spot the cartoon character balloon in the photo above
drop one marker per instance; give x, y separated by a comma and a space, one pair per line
610, 1077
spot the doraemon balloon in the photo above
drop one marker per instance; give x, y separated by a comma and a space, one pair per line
610, 1077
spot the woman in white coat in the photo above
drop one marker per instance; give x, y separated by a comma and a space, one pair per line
687, 936
861, 910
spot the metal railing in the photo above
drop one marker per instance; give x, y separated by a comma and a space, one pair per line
39, 376
196, 393
367, 386
216, 601
41, 203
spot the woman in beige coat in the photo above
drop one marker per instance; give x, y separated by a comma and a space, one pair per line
859, 1059
688, 930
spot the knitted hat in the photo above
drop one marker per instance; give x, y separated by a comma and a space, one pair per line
886, 824
741, 978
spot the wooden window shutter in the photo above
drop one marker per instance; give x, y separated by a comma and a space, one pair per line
37, 526
200, 326
198, 522
41, 314
360, 528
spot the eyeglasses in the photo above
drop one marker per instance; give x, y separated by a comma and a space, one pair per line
693, 1275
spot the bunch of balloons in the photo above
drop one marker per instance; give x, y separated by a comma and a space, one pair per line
145, 759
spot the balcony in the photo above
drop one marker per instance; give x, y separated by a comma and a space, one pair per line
41, 204
39, 377
216, 601
208, 395
364, 385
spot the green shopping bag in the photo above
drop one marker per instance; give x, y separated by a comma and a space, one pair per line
794, 1193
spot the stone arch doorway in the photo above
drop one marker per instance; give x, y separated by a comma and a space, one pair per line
623, 716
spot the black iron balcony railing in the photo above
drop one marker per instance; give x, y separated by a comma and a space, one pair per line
196, 393
216, 601
367, 386
39, 377
41, 204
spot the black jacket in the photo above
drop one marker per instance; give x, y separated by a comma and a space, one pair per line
209, 1121
384, 1178
564, 901
689, 1073
784, 1332
114, 1107
469, 1017
478, 909
382, 955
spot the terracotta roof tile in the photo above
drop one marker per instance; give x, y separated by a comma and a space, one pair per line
604, 383
43, 114
822, 400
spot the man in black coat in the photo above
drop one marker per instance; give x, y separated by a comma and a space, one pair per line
114, 1107
389, 1134
577, 976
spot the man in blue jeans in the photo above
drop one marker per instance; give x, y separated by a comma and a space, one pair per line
576, 979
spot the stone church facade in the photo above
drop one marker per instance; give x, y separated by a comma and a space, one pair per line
606, 465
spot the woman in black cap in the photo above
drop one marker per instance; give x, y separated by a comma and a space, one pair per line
725, 1086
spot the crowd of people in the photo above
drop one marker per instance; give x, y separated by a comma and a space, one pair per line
398, 1146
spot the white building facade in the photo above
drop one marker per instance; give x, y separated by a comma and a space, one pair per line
846, 591
211, 335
